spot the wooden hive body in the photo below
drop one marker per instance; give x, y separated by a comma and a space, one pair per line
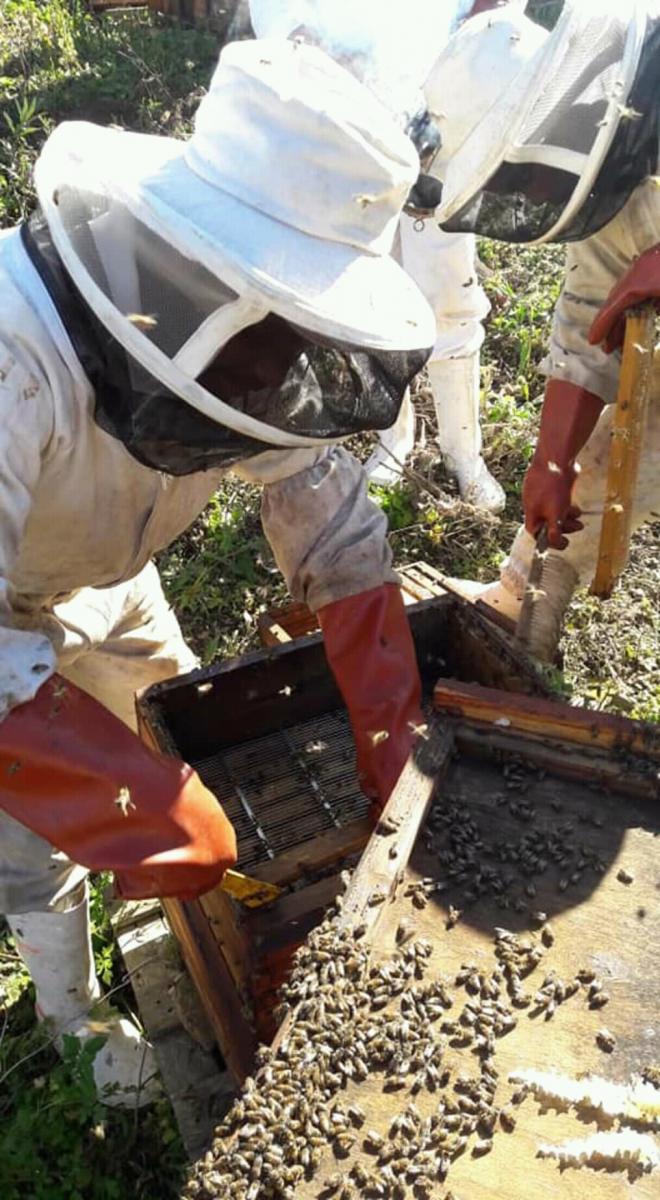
237, 723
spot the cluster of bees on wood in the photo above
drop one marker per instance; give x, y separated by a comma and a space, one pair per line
354, 1019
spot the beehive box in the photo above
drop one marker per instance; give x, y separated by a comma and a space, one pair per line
269, 735
518, 943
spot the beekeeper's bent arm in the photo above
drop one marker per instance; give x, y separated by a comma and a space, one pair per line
329, 539
330, 542
69, 769
27, 430
581, 375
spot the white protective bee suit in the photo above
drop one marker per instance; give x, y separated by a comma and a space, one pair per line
148, 257
593, 268
392, 51
561, 143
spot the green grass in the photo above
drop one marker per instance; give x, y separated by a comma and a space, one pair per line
58, 61
57, 1142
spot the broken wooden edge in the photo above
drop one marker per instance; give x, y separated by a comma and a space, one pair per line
215, 986
532, 715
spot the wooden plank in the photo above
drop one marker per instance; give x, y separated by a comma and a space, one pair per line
419, 581
629, 425
273, 924
129, 913
198, 1088
391, 844
599, 923
278, 625
327, 848
231, 1024
415, 583
546, 718
144, 948
226, 920
596, 767
387, 852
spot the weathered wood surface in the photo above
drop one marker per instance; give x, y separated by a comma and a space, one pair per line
197, 1086
326, 849
598, 922
547, 719
387, 853
231, 1023
628, 430
386, 856
630, 776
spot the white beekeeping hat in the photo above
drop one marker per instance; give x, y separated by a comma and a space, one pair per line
285, 201
528, 116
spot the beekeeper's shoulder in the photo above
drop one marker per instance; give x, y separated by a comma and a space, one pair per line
34, 373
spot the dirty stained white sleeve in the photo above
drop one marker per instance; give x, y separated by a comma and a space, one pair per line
329, 539
593, 267
26, 659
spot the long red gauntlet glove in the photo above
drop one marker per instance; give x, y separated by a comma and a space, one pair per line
641, 282
77, 776
370, 649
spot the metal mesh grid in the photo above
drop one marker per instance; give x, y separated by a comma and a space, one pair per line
287, 787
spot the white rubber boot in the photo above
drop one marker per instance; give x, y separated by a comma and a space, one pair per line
394, 446
57, 951
455, 385
496, 594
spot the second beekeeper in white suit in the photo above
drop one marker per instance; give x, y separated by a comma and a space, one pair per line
392, 50
561, 143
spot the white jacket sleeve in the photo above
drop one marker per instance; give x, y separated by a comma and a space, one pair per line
329, 539
27, 659
592, 269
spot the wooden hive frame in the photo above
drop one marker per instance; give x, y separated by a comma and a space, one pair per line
238, 959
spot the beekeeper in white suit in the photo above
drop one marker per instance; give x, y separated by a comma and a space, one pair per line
392, 50
172, 311
560, 143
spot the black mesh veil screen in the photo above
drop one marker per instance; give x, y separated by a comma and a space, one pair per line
282, 375
522, 202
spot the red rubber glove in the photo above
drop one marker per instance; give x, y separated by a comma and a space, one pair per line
568, 419
370, 649
641, 282
76, 775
